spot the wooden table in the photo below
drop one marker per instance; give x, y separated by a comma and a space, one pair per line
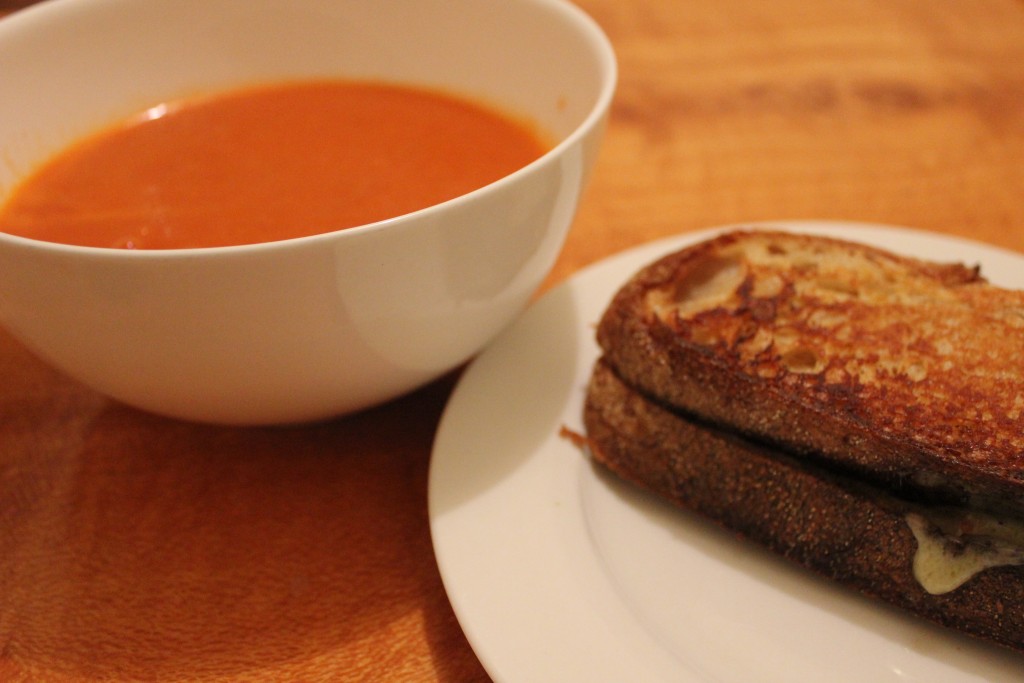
138, 548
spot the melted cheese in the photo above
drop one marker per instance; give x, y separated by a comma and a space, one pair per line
952, 547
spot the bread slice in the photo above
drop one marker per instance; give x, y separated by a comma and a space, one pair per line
835, 526
907, 373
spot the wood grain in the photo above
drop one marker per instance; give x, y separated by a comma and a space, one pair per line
896, 112
137, 548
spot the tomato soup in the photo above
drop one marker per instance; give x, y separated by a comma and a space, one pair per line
266, 164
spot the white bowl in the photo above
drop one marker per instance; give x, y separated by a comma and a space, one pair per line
314, 327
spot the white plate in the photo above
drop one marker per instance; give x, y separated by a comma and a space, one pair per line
559, 573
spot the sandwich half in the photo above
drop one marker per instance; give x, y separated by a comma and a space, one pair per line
858, 412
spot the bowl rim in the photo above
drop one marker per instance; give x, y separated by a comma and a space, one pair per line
590, 30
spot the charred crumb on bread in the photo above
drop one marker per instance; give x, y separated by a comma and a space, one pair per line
811, 342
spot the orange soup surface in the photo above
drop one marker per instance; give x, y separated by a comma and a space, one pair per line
266, 164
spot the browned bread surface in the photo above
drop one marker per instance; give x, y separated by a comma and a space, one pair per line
907, 371
838, 529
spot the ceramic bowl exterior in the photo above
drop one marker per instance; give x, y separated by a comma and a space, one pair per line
315, 327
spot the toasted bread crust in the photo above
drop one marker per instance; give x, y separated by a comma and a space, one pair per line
901, 370
841, 530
